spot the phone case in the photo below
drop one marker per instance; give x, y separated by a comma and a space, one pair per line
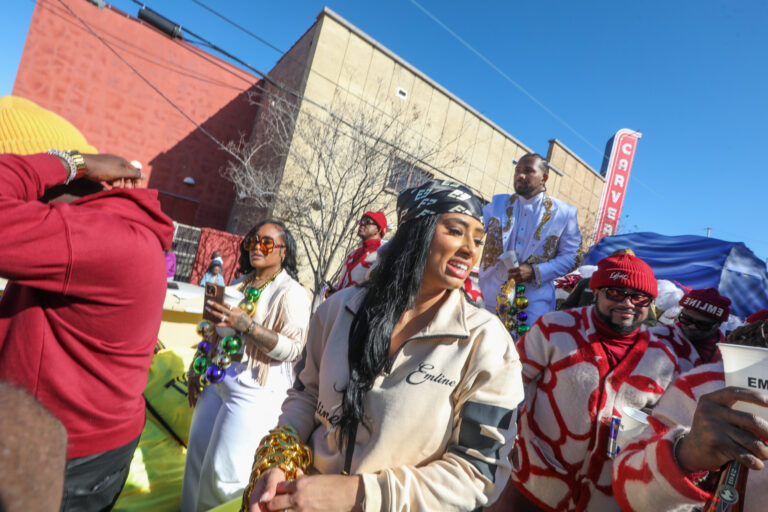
215, 293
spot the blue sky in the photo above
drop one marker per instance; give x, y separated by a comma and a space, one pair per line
691, 76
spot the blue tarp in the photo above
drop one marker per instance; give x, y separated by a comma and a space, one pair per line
698, 262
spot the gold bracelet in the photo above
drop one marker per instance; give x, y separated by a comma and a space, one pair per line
281, 448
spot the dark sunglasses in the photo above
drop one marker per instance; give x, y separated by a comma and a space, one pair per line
265, 243
636, 298
700, 325
365, 221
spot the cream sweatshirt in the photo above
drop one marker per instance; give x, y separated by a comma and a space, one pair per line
441, 421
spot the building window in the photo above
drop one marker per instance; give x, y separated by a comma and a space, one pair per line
403, 175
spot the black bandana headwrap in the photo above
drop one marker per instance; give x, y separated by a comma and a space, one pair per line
435, 197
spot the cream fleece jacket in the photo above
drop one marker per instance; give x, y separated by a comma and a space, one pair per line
441, 421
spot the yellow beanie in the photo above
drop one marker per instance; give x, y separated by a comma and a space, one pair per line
26, 128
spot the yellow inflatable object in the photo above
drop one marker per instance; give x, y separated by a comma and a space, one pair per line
157, 469
230, 506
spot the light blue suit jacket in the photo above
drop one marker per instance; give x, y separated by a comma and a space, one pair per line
552, 250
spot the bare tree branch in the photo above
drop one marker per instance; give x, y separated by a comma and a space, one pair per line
320, 171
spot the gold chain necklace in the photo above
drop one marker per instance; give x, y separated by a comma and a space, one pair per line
250, 282
253, 293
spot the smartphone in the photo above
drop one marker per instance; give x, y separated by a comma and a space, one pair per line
215, 293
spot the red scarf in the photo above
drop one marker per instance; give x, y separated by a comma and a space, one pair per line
614, 344
357, 257
361, 252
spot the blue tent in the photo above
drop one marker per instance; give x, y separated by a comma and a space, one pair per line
698, 262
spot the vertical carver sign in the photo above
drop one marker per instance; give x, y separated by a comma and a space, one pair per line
616, 171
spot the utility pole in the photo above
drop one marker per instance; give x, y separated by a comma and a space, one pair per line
709, 232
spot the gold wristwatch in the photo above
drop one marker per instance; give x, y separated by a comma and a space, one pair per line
79, 160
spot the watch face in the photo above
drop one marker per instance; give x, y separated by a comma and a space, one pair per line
79, 161
78, 157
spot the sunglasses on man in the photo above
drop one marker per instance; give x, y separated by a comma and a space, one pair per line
701, 325
636, 298
265, 243
365, 221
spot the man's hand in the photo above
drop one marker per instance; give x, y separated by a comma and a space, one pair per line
522, 274
113, 170
720, 434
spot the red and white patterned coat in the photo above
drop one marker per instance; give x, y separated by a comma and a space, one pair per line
571, 394
646, 476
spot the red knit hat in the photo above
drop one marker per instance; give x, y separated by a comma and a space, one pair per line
707, 302
624, 271
758, 316
380, 219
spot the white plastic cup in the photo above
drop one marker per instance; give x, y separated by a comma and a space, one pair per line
746, 367
633, 421
509, 259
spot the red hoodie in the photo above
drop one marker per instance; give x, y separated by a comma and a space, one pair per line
81, 311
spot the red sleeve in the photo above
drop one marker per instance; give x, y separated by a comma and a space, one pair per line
534, 351
35, 247
645, 473
68, 249
26, 178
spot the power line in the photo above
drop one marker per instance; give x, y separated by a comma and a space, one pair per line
520, 87
454, 34
306, 66
277, 85
190, 119
129, 47
258, 38
268, 79
335, 83
146, 81
506, 76
301, 97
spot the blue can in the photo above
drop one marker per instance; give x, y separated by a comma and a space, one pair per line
613, 432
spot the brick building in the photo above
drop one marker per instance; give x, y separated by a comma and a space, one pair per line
67, 69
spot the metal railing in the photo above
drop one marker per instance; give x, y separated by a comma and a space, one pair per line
185, 241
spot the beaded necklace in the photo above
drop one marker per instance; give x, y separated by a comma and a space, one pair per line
510, 304
211, 361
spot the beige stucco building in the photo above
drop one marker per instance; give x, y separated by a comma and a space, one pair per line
335, 64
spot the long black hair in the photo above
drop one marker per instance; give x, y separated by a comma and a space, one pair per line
391, 289
289, 262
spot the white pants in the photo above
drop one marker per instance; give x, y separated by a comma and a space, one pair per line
230, 419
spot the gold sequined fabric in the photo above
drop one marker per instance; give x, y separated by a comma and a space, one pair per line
544, 218
493, 243
510, 211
